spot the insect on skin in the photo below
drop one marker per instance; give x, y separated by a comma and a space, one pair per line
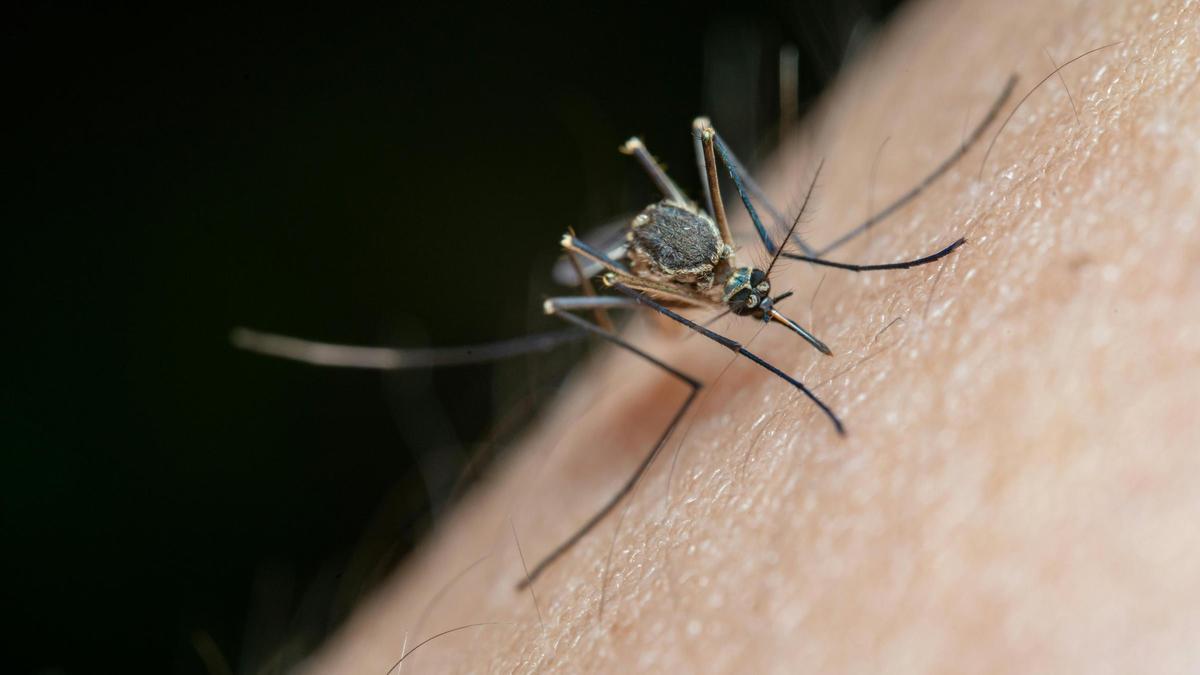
675, 255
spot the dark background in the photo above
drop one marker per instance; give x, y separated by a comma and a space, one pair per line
399, 177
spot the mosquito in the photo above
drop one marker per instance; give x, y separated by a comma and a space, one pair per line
676, 255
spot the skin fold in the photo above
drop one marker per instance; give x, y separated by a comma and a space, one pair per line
1019, 487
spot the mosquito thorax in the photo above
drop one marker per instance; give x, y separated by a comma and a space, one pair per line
676, 242
747, 292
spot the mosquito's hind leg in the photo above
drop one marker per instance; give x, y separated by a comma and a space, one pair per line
561, 308
670, 190
585, 283
937, 173
332, 355
572, 244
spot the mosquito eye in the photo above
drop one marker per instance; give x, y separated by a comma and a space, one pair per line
752, 300
763, 287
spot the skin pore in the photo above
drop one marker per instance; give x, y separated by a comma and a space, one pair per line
1019, 488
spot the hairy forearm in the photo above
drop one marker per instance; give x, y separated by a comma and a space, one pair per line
1016, 489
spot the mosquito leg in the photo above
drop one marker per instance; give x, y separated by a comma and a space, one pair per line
734, 346
937, 173
714, 188
903, 265
387, 358
585, 282
558, 307
886, 266
710, 139
573, 303
745, 183
698, 126
572, 244
663, 291
670, 190
609, 237
640, 285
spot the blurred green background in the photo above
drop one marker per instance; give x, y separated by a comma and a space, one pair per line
397, 177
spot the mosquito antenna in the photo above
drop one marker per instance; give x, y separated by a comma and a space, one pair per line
796, 222
1017, 107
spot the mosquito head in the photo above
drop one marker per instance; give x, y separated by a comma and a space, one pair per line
747, 292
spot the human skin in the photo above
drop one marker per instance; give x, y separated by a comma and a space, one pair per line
1019, 486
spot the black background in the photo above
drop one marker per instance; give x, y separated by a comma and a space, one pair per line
395, 177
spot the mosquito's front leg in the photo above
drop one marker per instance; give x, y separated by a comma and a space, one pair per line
902, 265
698, 127
733, 345
710, 141
714, 187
